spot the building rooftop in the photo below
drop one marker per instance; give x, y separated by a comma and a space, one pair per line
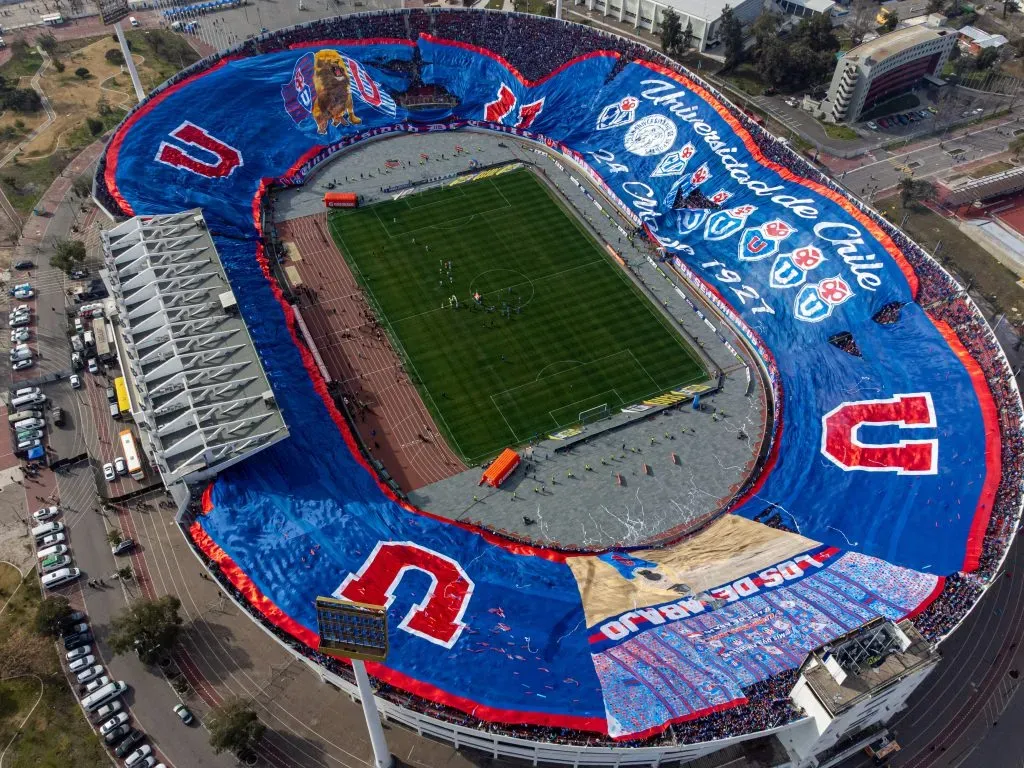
203, 397
883, 47
864, 660
982, 38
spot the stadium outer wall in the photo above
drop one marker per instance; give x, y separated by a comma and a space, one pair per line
509, 746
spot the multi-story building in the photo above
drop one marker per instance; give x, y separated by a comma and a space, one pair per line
885, 67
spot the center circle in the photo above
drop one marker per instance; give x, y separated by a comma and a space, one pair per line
494, 285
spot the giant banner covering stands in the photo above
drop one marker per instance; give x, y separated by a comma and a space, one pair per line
886, 464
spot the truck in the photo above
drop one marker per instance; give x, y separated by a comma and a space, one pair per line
99, 331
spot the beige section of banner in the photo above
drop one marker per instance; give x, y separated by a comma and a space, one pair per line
726, 550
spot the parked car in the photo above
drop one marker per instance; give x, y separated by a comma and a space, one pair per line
46, 513
50, 540
119, 719
22, 364
129, 743
55, 563
138, 757
76, 382
106, 711
119, 466
182, 711
78, 274
74, 629
89, 674
78, 665
73, 641
872, 125
111, 396
108, 472
24, 264
122, 546
117, 733
18, 321
23, 293
92, 366
79, 652
95, 684
75, 617
59, 578
20, 335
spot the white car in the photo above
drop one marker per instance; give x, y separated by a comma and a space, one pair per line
79, 652
18, 321
92, 366
76, 382
108, 472
24, 293
106, 711
22, 364
112, 723
79, 665
19, 335
49, 541
46, 513
138, 757
95, 685
88, 674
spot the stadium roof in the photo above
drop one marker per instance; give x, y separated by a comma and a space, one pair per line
205, 401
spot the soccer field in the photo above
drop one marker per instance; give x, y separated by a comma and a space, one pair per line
557, 328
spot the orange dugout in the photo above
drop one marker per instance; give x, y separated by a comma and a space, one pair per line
500, 468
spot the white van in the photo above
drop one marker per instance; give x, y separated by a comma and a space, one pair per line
41, 531
103, 695
56, 549
27, 391
63, 576
29, 424
133, 21
20, 354
35, 399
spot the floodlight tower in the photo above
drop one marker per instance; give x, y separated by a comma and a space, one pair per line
358, 632
111, 13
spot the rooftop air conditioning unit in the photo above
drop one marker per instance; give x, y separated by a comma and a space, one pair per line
199, 221
269, 400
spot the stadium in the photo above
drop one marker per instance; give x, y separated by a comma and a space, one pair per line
750, 417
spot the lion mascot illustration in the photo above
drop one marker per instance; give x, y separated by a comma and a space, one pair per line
333, 102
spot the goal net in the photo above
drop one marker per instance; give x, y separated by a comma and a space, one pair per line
594, 414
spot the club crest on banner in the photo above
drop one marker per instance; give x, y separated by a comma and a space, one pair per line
674, 163
325, 85
759, 243
620, 113
723, 224
815, 302
690, 219
649, 136
720, 197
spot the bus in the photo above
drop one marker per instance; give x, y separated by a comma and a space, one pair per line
131, 455
52, 19
123, 403
99, 332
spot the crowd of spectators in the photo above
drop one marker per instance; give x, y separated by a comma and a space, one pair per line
536, 46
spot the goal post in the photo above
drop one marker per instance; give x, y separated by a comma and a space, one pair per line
596, 413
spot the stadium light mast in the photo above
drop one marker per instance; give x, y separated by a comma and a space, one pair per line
111, 13
133, 73
358, 632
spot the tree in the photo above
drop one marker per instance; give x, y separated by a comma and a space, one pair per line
732, 37
114, 56
686, 42
68, 254
764, 30
671, 31
234, 727
52, 612
863, 21
1017, 146
986, 59
114, 534
47, 42
58, 65
817, 33
95, 125
148, 627
82, 73
891, 20
126, 573
913, 191
1010, 6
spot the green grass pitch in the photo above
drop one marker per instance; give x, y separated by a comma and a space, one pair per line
559, 328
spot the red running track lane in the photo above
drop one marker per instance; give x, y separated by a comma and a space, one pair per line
396, 426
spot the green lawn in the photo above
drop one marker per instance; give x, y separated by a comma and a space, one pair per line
559, 328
